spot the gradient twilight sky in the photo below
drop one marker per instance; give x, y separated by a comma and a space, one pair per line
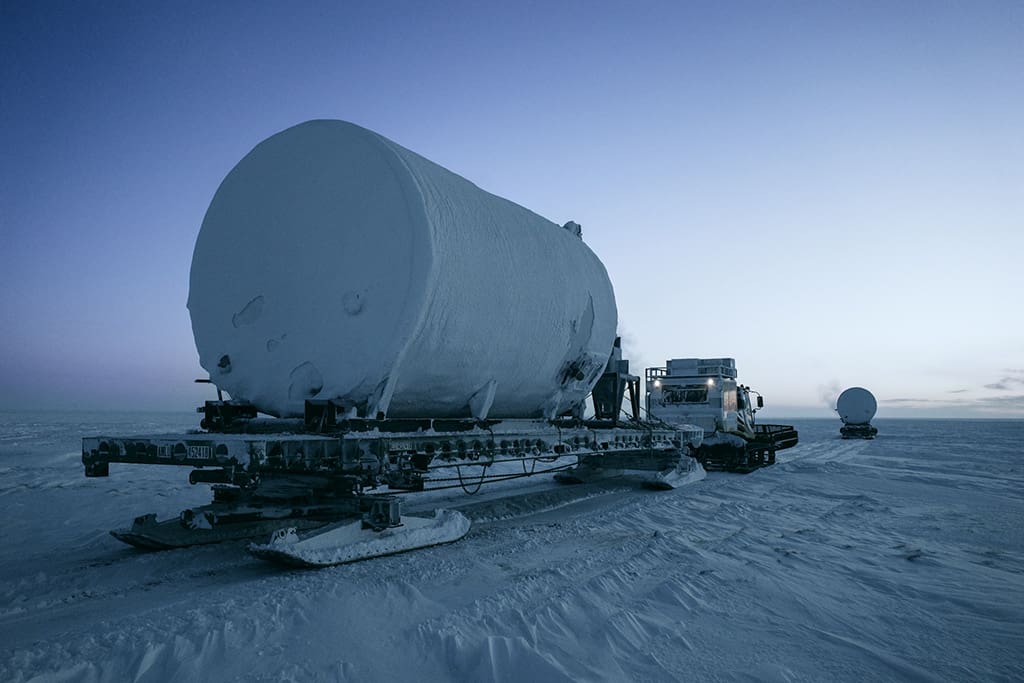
830, 192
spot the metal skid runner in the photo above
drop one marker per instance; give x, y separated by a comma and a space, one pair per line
279, 475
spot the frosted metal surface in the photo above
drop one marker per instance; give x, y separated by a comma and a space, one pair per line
856, 406
334, 263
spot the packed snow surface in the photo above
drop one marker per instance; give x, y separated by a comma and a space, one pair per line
900, 558
334, 263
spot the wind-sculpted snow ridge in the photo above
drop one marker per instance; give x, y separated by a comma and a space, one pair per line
900, 558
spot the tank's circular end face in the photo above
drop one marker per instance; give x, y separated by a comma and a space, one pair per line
311, 245
856, 406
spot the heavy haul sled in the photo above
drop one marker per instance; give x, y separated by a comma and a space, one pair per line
704, 392
329, 488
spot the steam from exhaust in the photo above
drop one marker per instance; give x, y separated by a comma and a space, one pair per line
829, 393
631, 352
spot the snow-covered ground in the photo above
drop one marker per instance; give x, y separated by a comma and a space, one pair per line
900, 558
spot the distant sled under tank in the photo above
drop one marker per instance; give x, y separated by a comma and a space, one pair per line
858, 431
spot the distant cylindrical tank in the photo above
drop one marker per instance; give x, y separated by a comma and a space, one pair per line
335, 264
856, 406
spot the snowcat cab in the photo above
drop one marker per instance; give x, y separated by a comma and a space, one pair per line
704, 392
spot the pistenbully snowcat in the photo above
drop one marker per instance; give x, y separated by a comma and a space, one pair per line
704, 392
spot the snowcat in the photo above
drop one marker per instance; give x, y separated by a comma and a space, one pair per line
704, 392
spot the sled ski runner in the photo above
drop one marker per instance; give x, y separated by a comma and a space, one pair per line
351, 541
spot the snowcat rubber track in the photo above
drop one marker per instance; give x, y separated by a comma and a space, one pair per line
759, 452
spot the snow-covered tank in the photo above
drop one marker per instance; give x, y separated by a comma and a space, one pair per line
334, 263
856, 406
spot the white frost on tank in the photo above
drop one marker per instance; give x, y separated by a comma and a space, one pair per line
334, 263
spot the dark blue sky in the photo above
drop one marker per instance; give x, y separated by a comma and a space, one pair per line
833, 193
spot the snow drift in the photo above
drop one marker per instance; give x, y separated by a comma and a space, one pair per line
334, 263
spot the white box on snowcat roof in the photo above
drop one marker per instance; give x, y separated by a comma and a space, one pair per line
702, 367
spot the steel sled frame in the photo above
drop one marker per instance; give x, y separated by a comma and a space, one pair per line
305, 473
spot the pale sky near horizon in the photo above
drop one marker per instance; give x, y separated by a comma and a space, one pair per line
831, 193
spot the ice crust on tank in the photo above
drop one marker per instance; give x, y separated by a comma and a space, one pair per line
334, 263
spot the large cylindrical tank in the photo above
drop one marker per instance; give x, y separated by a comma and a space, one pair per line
856, 406
334, 263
